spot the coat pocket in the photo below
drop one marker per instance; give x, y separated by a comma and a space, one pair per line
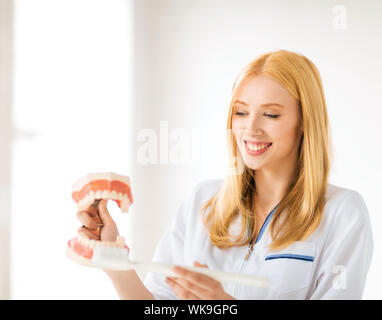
290, 256
290, 269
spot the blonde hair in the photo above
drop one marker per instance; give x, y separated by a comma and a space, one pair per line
305, 200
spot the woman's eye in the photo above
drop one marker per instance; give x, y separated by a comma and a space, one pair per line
271, 115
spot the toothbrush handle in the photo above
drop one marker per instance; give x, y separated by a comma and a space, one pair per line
119, 260
166, 269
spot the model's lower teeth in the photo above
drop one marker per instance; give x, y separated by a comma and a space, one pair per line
81, 248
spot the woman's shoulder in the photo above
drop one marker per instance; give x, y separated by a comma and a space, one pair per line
199, 193
335, 195
207, 188
345, 203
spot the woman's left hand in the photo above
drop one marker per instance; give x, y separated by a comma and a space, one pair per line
192, 285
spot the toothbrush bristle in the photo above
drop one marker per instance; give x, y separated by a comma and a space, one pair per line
110, 251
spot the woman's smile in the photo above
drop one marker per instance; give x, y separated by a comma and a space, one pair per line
256, 149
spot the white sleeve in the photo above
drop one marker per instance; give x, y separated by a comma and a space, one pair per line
346, 256
170, 249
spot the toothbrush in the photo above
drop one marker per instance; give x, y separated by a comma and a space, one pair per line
116, 258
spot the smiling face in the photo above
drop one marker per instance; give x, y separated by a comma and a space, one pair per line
266, 124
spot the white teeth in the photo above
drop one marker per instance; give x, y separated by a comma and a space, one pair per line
254, 147
92, 244
91, 196
82, 239
85, 202
120, 240
125, 205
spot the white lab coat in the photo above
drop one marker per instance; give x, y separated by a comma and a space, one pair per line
331, 264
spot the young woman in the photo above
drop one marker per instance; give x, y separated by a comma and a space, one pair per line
274, 214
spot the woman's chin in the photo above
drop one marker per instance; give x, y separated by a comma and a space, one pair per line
254, 166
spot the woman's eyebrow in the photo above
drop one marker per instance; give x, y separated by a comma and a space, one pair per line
262, 105
272, 104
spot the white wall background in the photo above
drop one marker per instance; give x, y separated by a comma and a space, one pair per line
5, 142
90, 76
72, 115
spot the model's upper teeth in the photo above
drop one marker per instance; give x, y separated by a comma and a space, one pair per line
257, 147
91, 196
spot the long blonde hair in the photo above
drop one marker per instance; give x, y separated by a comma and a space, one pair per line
305, 200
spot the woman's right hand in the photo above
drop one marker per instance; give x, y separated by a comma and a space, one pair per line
92, 218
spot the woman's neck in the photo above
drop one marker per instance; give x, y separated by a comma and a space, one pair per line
272, 186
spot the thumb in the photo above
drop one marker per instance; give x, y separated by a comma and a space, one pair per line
103, 212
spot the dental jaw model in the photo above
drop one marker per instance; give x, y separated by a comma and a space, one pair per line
115, 255
104, 185
89, 190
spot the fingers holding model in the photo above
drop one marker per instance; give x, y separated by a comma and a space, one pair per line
97, 224
91, 193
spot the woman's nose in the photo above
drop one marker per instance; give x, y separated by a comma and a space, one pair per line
254, 126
